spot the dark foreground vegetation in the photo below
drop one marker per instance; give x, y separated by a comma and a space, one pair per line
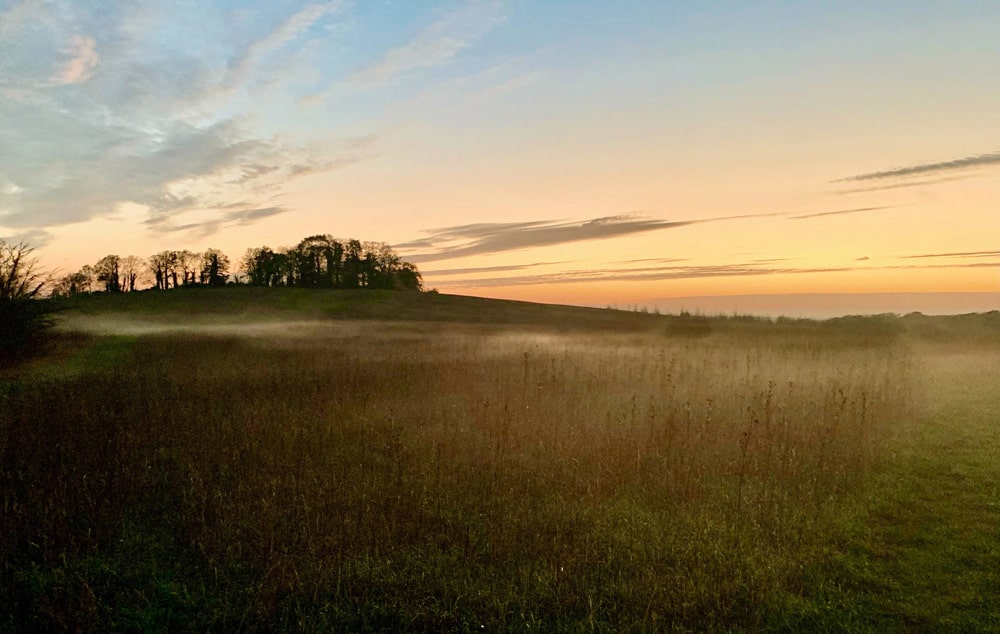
24, 317
556, 470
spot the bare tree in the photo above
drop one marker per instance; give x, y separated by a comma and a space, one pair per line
132, 268
22, 314
189, 265
74, 283
163, 266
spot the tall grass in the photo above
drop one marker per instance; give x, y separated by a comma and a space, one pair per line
423, 478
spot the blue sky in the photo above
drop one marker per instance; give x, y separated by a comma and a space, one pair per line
622, 129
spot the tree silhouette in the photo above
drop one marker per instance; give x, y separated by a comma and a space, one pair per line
79, 282
188, 263
163, 265
317, 261
22, 316
131, 269
214, 268
108, 270
322, 261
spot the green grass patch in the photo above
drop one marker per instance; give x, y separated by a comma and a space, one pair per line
922, 551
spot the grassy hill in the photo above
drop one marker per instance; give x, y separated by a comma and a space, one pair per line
237, 303
243, 304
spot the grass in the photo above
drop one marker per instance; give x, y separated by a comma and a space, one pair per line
547, 471
922, 553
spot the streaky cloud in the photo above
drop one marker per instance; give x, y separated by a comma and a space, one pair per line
483, 238
660, 260
437, 43
842, 211
645, 274
492, 237
480, 239
650, 274
977, 160
246, 216
488, 269
961, 254
289, 30
904, 185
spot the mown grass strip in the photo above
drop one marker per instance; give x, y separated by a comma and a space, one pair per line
923, 554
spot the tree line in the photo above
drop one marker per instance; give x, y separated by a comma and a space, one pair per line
319, 261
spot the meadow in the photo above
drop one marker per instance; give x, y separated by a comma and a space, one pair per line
304, 462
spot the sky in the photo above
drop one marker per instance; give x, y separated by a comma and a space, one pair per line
594, 153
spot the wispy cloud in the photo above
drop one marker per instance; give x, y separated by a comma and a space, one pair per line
842, 211
34, 237
82, 62
476, 270
903, 185
644, 274
436, 44
962, 254
286, 32
651, 274
246, 216
479, 239
483, 238
977, 160
659, 260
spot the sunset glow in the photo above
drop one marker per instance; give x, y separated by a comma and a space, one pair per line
587, 153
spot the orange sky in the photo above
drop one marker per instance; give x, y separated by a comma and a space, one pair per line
600, 155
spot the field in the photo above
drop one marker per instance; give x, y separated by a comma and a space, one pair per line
238, 459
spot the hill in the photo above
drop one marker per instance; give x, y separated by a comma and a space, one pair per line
252, 304
244, 304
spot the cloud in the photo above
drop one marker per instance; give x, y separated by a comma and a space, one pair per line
80, 67
436, 44
977, 160
487, 269
203, 228
483, 238
842, 211
154, 127
650, 274
922, 183
246, 216
33, 237
279, 37
184, 168
479, 239
963, 254
660, 260
644, 274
